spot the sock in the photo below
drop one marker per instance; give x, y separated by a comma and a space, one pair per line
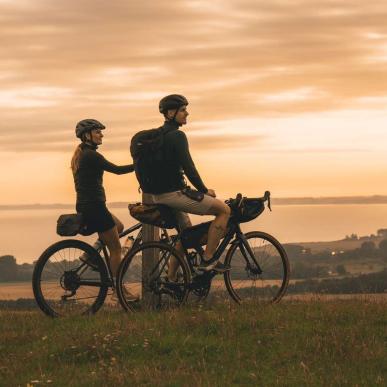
205, 258
97, 245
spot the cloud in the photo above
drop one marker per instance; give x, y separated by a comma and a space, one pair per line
62, 61
295, 95
224, 142
33, 97
121, 76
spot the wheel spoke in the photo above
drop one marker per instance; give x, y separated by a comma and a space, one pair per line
158, 291
244, 281
57, 274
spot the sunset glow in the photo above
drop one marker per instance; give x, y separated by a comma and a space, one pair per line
285, 96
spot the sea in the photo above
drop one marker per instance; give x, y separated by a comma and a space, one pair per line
26, 233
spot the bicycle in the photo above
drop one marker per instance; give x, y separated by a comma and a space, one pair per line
64, 285
259, 267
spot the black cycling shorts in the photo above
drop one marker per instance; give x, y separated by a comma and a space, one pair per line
96, 216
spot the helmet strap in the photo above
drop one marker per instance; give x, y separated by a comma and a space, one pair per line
174, 116
87, 141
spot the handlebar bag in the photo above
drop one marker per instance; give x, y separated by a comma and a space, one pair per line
250, 210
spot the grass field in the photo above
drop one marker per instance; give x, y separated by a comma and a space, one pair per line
341, 342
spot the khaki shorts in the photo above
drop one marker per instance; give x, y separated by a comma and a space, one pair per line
182, 205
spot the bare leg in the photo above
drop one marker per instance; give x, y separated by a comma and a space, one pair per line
173, 264
216, 232
120, 226
217, 228
110, 238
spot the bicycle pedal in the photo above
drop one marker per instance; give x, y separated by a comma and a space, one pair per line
167, 291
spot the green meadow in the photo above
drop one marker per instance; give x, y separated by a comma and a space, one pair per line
294, 343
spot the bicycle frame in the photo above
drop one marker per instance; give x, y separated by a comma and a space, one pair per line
240, 239
234, 231
106, 258
190, 255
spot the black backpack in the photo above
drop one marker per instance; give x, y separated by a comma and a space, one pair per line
146, 148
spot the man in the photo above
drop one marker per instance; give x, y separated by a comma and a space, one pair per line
170, 186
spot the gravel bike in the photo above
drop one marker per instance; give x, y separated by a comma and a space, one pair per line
259, 267
71, 277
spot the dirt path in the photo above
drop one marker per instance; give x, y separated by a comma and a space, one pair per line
13, 291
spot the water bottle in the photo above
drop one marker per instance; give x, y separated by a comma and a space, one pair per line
127, 245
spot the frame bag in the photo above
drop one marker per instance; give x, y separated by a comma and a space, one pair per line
195, 236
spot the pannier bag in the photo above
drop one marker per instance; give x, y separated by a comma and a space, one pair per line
70, 225
154, 214
195, 236
251, 208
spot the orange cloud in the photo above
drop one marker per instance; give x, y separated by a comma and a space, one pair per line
259, 77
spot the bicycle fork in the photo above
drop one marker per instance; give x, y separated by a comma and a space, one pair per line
248, 255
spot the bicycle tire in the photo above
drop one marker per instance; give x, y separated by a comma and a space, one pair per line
161, 293
48, 267
273, 285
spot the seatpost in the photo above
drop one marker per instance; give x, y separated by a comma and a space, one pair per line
149, 259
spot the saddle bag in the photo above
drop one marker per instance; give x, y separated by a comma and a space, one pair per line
154, 214
69, 224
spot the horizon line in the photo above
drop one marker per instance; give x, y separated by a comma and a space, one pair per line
311, 200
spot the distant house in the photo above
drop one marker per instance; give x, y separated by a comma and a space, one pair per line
352, 237
382, 232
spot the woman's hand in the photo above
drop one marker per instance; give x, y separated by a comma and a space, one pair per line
211, 192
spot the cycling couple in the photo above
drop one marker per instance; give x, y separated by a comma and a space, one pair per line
88, 167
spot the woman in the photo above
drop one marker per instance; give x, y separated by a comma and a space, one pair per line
88, 167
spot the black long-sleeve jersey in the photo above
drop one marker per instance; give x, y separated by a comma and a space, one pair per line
88, 178
178, 162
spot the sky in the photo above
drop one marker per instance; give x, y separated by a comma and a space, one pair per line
286, 96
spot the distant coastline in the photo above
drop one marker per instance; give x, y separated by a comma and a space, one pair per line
375, 199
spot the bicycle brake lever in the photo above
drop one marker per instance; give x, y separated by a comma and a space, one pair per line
239, 200
267, 197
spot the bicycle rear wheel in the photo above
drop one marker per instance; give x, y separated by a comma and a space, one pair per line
245, 282
144, 284
63, 285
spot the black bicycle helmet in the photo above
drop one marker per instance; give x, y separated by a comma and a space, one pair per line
86, 126
172, 101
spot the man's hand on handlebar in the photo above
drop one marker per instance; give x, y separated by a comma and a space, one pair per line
212, 193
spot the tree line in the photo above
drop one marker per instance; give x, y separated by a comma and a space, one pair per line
365, 283
10, 271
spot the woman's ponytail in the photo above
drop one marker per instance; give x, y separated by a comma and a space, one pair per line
75, 159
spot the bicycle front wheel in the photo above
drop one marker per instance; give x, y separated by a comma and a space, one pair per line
64, 285
143, 283
263, 277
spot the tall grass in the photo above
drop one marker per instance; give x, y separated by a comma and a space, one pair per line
293, 343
